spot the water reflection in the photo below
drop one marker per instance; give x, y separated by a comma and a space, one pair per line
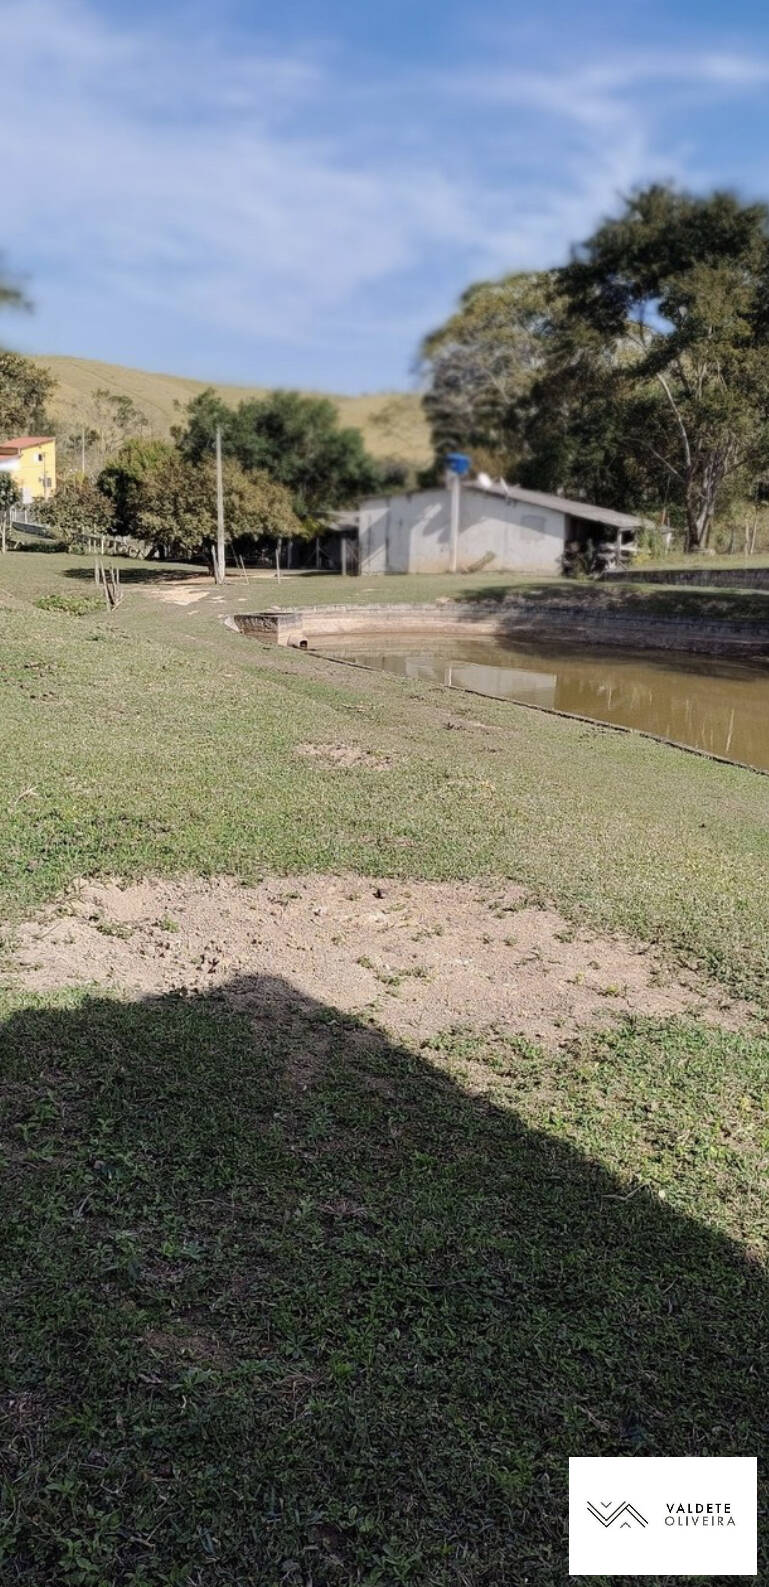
719, 706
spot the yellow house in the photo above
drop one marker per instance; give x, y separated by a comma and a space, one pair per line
31, 462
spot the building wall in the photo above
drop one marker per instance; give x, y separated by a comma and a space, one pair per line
509, 535
29, 472
411, 534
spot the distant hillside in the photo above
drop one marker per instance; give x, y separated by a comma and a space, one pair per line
392, 423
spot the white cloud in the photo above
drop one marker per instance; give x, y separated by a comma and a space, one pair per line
167, 164
271, 195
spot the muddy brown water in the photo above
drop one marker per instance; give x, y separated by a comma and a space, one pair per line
709, 704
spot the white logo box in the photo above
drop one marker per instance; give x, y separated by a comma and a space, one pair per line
662, 1516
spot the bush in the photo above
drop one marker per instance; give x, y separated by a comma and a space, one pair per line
73, 605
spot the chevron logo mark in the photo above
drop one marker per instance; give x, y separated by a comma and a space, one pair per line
623, 1514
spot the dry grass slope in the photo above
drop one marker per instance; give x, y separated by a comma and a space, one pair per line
392, 423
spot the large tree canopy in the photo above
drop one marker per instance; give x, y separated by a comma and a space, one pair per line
296, 440
24, 391
162, 496
675, 291
123, 479
480, 365
636, 375
592, 429
24, 386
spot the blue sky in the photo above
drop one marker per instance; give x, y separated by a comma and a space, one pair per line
293, 195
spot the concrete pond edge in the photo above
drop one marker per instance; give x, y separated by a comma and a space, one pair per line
297, 627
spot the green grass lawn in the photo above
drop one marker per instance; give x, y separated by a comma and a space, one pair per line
654, 600
682, 559
347, 1330
29, 576
158, 741
651, 600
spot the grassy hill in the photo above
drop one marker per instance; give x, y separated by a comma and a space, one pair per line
392, 423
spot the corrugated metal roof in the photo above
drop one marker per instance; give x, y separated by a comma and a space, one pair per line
575, 509
532, 498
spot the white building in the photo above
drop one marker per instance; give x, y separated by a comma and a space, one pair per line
502, 528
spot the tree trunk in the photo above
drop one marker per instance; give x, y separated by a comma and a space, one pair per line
694, 530
700, 508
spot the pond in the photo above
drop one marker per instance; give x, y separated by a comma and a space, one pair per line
715, 705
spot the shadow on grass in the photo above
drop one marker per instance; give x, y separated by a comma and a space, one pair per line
284, 1304
155, 573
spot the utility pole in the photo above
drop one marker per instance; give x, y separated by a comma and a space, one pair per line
457, 465
454, 500
219, 563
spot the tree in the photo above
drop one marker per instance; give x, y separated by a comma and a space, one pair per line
156, 496
24, 386
116, 419
10, 495
161, 496
255, 507
295, 440
590, 432
77, 508
196, 436
108, 421
24, 390
171, 508
122, 479
674, 291
480, 366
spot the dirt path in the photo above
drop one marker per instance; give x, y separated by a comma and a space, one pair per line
418, 957
182, 593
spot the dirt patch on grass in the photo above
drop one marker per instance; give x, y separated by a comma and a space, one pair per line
25, 1411
415, 957
193, 1346
182, 594
344, 755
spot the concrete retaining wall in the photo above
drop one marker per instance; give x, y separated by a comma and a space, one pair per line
324, 622
736, 578
572, 623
